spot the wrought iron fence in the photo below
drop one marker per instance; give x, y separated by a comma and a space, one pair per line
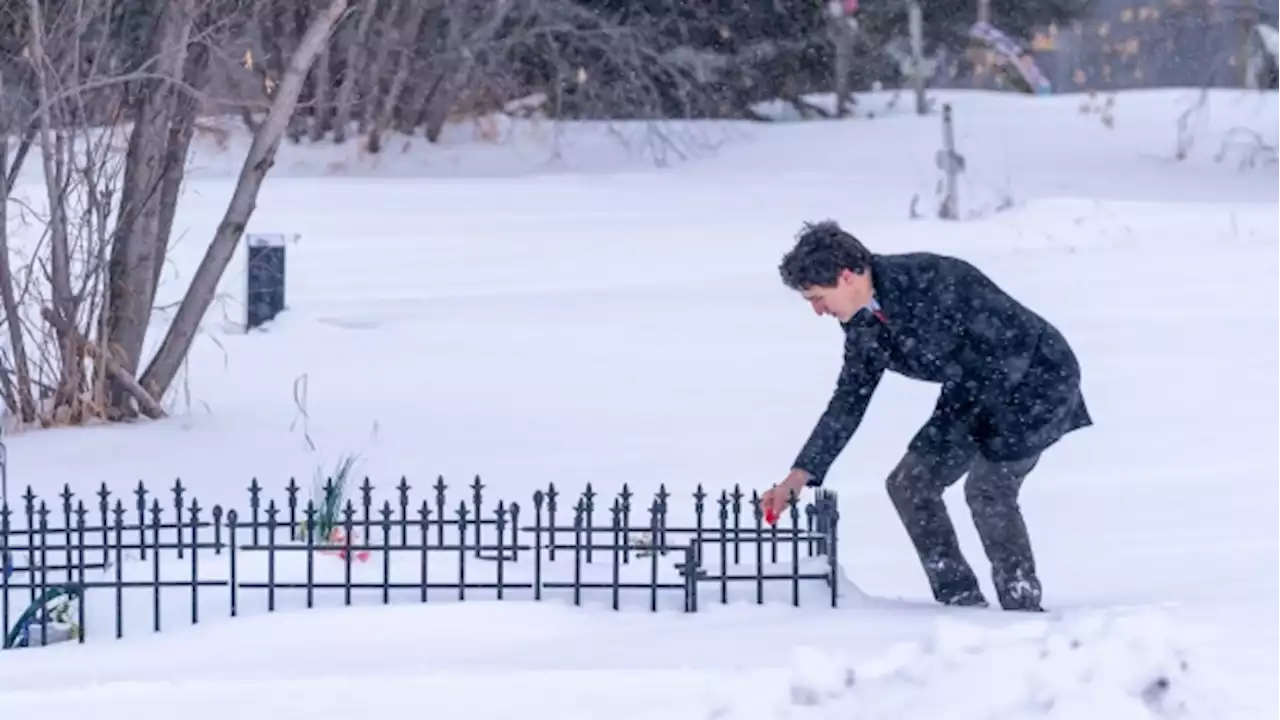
148, 560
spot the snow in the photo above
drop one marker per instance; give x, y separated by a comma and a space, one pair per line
535, 312
1112, 667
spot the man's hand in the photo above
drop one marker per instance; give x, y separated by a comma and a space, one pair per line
776, 499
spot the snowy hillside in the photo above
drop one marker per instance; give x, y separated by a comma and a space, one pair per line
535, 313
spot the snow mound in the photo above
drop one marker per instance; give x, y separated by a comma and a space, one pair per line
1119, 667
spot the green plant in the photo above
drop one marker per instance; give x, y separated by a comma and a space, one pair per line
332, 494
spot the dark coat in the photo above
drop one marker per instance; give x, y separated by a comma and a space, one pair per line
1010, 382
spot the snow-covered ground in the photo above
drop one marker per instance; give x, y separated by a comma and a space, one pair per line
740, 663
582, 316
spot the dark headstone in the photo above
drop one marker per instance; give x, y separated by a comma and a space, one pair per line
264, 298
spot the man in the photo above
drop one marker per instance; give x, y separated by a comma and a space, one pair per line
1010, 390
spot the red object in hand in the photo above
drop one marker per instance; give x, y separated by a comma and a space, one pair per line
770, 516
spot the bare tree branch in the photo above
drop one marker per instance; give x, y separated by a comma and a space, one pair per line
177, 341
52, 146
149, 406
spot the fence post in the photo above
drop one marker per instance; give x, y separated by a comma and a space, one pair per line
690, 570
833, 565
6, 558
4, 481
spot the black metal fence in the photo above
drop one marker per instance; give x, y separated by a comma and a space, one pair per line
75, 568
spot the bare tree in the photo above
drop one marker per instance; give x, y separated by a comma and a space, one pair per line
469, 35
412, 67
79, 299
47, 354
356, 49
15, 379
164, 367
140, 241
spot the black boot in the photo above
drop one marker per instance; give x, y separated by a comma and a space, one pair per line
966, 598
953, 583
1017, 591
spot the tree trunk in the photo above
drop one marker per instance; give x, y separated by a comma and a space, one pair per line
376, 75
456, 79
322, 108
352, 72
138, 244
406, 41
177, 341
149, 406
21, 402
181, 132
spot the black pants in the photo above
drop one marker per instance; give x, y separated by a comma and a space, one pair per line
916, 486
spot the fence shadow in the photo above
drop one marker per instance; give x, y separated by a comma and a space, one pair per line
116, 565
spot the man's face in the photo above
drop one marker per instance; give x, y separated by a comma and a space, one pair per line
842, 300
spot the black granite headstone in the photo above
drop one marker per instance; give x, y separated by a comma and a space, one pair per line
264, 298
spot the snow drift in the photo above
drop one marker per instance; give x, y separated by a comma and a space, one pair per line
1129, 666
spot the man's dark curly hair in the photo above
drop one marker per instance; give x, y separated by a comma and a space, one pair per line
822, 251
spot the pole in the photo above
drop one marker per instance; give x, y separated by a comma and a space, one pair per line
950, 203
915, 21
840, 31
